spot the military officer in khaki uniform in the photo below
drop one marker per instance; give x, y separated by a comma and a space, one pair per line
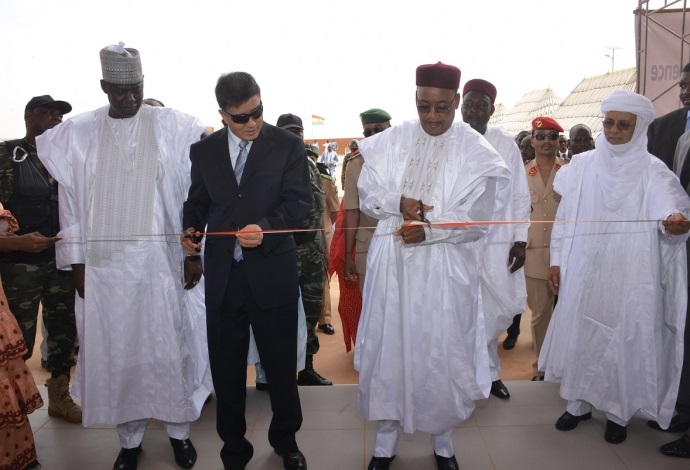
540, 175
373, 121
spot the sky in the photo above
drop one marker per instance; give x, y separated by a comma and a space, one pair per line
333, 59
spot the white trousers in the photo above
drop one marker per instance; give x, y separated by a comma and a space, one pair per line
388, 434
494, 360
132, 433
581, 407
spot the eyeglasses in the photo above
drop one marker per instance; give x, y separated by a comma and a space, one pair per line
551, 136
621, 125
244, 118
424, 109
481, 105
581, 140
375, 130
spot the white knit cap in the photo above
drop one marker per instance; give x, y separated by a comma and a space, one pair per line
120, 65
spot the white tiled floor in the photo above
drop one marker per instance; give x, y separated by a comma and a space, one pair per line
514, 434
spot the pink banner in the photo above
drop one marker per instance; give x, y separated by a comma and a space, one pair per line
661, 55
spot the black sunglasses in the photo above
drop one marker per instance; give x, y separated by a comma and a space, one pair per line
551, 136
244, 118
375, 130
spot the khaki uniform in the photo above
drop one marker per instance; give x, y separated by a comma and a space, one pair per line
332, 204
351, 201
537, 257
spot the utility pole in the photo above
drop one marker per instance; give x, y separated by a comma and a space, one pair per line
612, 55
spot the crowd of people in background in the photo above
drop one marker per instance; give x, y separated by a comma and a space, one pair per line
445, 233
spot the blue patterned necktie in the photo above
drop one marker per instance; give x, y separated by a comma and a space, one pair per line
239, 168
241, 160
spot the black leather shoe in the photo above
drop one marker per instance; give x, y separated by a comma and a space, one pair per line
499, 390
380, 463
127, 459
293, 460
509, 342
261, 386
327, 328
538, 378
446, 463
679, 448
568, 422
675, 426
615, 433
309, 376
185, 453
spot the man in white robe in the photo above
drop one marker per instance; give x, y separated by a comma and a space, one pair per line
504, 294
615, 341
421, 346
123, 174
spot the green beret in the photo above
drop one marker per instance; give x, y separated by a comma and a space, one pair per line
374, 115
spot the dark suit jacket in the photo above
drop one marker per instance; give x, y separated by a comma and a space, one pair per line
663, 135
274, 193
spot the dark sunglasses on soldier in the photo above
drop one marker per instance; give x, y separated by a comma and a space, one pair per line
244, 118
375, 130
551, 136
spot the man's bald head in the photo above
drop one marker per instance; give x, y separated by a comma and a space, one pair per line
580, 139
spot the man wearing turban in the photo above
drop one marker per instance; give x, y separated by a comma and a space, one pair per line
421, 348
618, 265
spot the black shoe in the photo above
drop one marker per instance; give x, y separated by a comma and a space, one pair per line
380, 463
568, 422
127, 459
509, 342
262, 386
293, 460
679, 448
615, 433
499, 390
674, 426
185, 453
327, 328
538, 378
309, 376
446, 463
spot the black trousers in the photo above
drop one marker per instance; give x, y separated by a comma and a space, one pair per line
275, 332
514, 329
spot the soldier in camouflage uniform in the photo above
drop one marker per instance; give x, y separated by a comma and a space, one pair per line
311, 260
30, 193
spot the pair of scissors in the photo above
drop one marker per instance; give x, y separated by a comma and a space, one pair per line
421, 212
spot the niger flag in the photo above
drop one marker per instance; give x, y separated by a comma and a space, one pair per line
317, 120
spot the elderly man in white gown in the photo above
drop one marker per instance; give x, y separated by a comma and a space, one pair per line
618, 265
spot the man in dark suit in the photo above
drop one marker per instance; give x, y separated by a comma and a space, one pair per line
664, 132
250, 177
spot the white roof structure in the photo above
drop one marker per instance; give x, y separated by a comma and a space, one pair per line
534, 104
583, 104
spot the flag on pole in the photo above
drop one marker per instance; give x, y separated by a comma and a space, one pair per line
317, 120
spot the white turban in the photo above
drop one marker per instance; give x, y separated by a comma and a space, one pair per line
629, 102
619, 167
